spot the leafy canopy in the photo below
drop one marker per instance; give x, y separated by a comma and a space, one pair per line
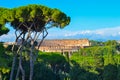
3, 29
33, 16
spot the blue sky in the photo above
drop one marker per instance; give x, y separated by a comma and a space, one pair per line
86, 16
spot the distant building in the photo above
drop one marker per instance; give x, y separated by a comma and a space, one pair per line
8, 43
64, 45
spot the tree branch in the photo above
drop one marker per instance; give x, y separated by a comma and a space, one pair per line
43, 37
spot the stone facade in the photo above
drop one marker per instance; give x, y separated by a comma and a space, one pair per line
64, 45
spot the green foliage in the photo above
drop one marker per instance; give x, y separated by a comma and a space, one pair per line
43, 73
98, 56
110, 72
3, 19
3, 57
4, 63
3, 30
92, 63
38, 15
60, 18
56, 61
103, 61
118, 69
35, 18
2, 49
110, 43
78, 73
52, 58
96, 43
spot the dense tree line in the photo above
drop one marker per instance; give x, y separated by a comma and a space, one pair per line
92, 63
102, 61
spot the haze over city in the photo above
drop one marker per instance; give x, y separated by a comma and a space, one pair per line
92, 19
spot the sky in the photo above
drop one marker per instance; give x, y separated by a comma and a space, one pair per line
92, 19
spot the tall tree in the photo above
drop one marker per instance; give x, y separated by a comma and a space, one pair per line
30, 22
3, 29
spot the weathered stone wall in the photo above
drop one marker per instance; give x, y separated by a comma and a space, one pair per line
64, 45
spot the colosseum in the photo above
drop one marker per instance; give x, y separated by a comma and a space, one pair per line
64, 45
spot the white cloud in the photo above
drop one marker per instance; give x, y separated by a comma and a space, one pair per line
115, 31
104, 33
7, 37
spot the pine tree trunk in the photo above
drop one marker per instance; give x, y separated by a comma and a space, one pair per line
31, 60
13, 67
0, 76
31, 66
21, 68
18, 71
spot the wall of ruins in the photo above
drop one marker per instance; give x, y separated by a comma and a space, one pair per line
64, 45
